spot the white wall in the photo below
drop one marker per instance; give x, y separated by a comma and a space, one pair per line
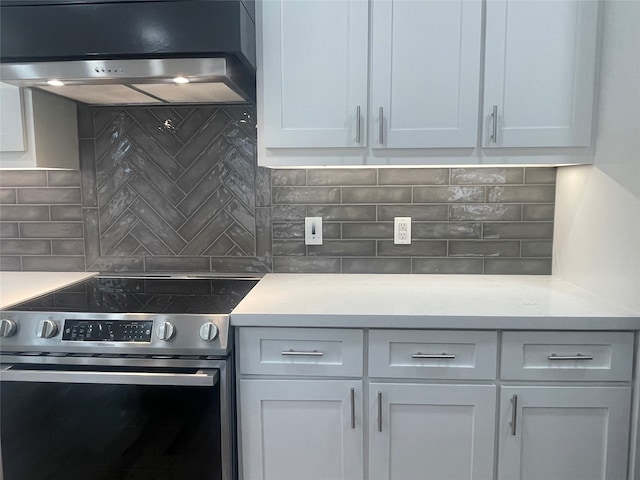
597, 225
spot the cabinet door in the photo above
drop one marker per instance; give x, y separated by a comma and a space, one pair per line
564, 433
11, 119
301, 429
425, 73
313, 88
431, 432
539, 73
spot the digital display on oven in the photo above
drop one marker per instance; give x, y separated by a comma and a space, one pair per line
107, 331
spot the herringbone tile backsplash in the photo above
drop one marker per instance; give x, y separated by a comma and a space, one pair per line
177, 190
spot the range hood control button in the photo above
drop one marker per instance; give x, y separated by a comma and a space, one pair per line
7, 328
166, 331
209, 331
46, 329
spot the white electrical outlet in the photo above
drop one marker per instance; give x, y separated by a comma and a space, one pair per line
402, 230
313, 230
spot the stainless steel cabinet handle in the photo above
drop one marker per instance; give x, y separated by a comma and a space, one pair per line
352, 397
293, 353
578, 356
358, 124
514, 414
381, 126
494, 125
379, 411
435, 356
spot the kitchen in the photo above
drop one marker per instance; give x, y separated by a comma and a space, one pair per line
97, 220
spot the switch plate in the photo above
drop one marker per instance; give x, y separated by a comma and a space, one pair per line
402, 230
313, 230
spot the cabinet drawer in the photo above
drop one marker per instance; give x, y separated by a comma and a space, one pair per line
301, 351
432, 354
580, 356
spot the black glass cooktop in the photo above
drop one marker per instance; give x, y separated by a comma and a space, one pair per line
145, 295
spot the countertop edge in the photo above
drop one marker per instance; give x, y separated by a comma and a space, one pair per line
38, 284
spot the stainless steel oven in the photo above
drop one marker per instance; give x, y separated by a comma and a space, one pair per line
120, 378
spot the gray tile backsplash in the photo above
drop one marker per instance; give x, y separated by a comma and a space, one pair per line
191, 199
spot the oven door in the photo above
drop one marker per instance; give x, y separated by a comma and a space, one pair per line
73, 422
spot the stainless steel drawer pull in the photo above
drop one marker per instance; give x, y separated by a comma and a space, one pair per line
379, 411
514, 414
494, 125
358, 124
434, 356
352, 398
381, 126
293, 353
579, 356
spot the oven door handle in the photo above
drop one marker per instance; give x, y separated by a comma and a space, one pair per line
202, 378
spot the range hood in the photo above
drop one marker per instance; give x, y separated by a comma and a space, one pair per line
107, 52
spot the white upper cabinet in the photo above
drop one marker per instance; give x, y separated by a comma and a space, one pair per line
425, 73
540, 60
313, 72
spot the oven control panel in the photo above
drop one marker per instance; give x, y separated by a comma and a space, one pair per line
107, 331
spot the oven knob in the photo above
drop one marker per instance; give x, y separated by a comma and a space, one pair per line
7, 328
166, 331
46, 329
209, 331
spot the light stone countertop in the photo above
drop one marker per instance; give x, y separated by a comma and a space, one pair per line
17, 287
428, 301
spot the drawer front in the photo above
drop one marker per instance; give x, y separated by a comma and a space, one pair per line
301, 351
433, 354
579, 356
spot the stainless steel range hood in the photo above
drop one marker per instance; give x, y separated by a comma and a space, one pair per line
104, 52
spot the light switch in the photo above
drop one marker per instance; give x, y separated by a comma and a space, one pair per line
313, 230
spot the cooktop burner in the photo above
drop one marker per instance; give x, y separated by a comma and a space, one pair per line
145, 295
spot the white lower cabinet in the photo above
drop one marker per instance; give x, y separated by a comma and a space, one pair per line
431, 432
301, 429
563, 433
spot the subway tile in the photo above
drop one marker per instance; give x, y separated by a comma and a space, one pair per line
343, 248
10, 264
306, 195
376, 265
522, 194
63, 178
91, 235
23, 178
481, 176
416, 212
532, 248
7, 196
85, 121
53, 264
451, 194
367, 230
288, 230
446, 230
538, 212
524, 266
288, 212
483, 211
51, 230
376, 195
483, 248
117, 265
25, 247
263, 232
239, 265
417, 248
306, 265
263, 187
446, 265
66, 212
341, 176
49, 195
289, 247
67, 247
8, 230
342, 212
413, 176
177, 264
518, 230
540, 175
24, 213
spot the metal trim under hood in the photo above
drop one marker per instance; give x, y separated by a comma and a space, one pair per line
131, 53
